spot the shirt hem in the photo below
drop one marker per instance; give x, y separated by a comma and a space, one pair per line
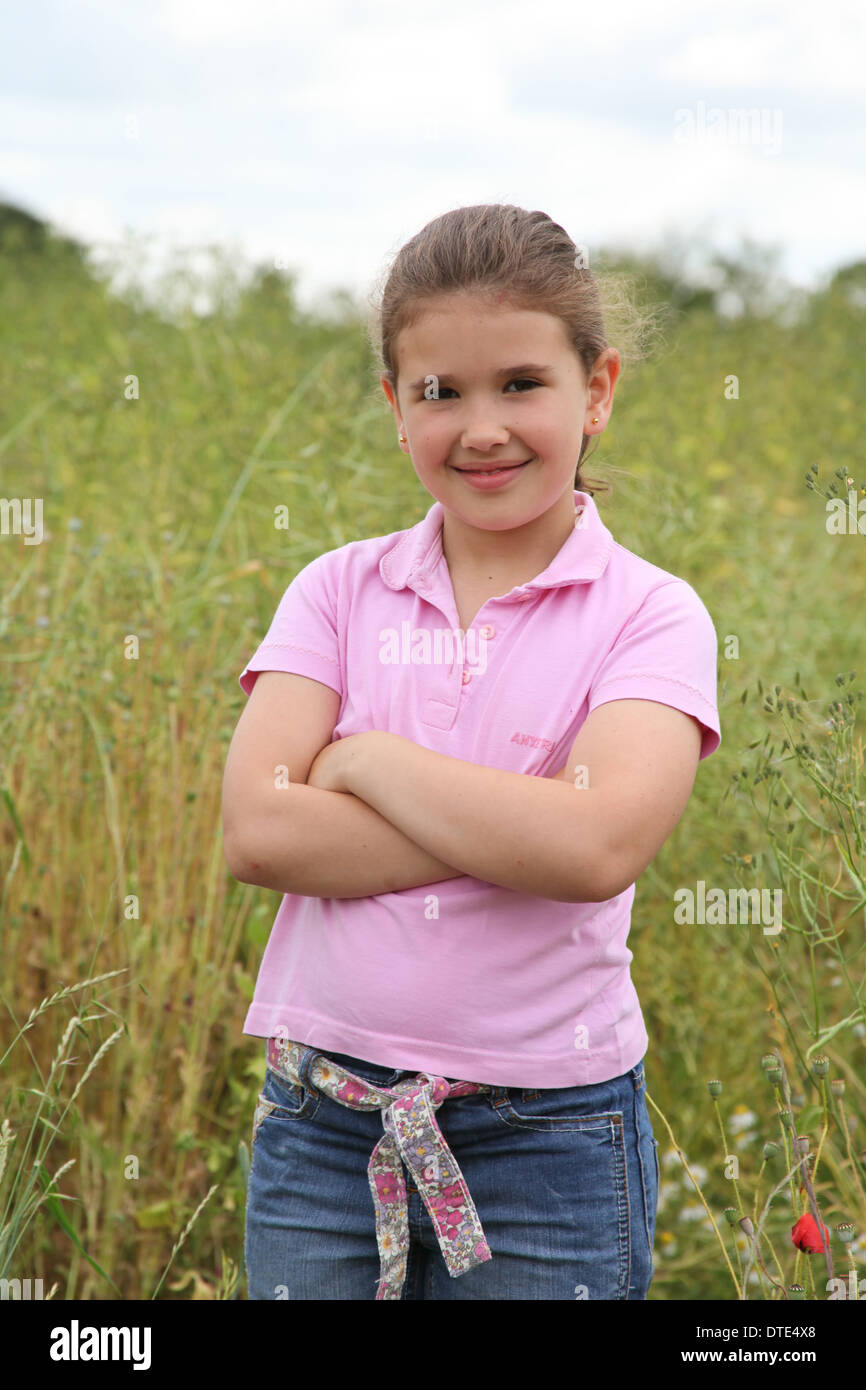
291, 661
588, 1068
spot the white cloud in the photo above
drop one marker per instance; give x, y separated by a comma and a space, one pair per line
330, 133
795, 54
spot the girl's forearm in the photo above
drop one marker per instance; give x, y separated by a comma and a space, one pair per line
329, 844
530, 834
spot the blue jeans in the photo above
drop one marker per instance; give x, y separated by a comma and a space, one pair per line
565, 1182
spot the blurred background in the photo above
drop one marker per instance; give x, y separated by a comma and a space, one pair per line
196, 200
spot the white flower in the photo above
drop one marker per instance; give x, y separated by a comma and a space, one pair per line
741, 1119
695, 1213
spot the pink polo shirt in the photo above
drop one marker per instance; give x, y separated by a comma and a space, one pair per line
463, 978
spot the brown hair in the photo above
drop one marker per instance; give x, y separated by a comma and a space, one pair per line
524, 258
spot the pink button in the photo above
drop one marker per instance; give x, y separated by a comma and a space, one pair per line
466, 678
486, 631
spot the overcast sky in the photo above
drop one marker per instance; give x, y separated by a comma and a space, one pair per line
320, 136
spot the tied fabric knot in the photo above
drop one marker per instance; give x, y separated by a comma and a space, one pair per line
413, 1136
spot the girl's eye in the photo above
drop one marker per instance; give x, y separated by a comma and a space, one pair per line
516, 381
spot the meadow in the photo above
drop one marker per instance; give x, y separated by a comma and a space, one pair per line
162, 445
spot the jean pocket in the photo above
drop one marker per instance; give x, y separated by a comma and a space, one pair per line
551, 1109
566, 1107
284, 1100
264, 1108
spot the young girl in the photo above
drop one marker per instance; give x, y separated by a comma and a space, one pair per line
470, 738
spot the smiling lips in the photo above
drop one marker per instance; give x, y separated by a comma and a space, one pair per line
494, 467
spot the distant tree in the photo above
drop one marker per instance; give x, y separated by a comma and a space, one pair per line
24, 236
850, 280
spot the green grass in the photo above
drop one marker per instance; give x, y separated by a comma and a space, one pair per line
160, 513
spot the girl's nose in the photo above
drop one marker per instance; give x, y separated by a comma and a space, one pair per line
483, 436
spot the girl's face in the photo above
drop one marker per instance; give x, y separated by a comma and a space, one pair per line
503, 386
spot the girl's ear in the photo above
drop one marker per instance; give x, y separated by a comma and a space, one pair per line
389, 392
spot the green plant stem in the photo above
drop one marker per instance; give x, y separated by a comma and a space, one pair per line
715, 1100
697, 1189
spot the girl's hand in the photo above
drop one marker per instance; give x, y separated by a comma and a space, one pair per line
325, 772
336, 768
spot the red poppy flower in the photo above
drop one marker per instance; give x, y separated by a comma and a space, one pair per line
806, 1236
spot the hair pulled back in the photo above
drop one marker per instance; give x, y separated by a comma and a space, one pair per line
516, 258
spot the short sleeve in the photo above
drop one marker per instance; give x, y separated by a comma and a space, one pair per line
666, 652
302, 638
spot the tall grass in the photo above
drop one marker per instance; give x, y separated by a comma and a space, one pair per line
160, 519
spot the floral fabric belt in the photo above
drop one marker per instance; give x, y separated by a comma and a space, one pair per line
411, 1134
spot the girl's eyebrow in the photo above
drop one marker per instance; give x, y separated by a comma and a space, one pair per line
504, 372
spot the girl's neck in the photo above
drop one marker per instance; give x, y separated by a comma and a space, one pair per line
506, 557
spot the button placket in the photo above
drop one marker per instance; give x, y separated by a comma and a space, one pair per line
440, 713
485, 631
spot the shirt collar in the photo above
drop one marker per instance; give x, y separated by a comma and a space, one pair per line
582, 557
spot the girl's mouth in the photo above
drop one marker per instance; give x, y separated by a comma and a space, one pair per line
491, 477
491, 467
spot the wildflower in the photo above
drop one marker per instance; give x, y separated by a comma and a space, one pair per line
858, 1249
692, 1213
742, 1118
807, 1237
666, 1191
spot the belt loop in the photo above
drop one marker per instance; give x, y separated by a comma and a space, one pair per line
307, 1057
498, 1096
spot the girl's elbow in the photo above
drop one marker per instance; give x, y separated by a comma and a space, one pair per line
240, 864
597, 883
